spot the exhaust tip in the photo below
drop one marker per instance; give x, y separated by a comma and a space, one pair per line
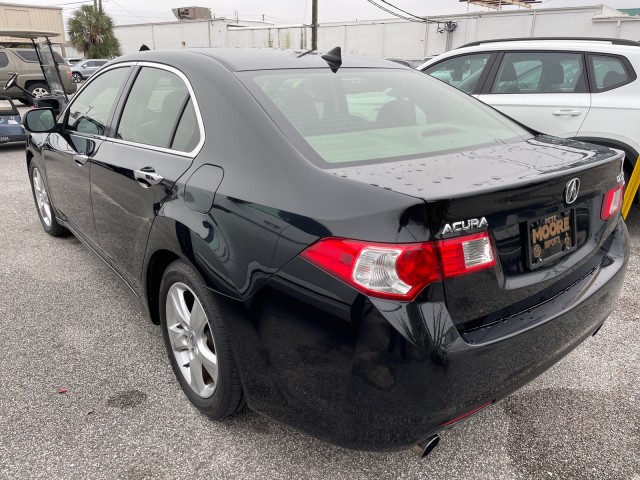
424, 448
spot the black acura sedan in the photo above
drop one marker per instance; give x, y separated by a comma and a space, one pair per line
346, 245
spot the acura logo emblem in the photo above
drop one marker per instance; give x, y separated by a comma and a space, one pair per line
571, 191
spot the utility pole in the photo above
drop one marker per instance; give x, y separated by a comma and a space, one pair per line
95, 5
314, 24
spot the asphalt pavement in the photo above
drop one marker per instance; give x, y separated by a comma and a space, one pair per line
66, 320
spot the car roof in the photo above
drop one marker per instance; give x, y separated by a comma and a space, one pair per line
243, 59
23, 33
577, 44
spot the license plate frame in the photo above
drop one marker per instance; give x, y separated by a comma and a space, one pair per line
552, 242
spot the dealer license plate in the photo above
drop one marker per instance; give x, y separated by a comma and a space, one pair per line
551, 237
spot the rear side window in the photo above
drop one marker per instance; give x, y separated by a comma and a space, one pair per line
159, 109
609, 72
374, 115
4, 61
91, 108
32, 56
187, 134
540, 72
461, 72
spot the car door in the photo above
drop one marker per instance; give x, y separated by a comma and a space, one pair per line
544, 90
614, 102
91, 67
154, 142
67, 152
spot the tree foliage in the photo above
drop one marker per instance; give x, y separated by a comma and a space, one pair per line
91, 32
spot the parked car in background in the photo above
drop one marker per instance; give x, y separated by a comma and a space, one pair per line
24, 62
586, 89
84, 69
72, 61
406, 63
357, 250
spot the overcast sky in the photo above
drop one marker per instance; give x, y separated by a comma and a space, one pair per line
290, 11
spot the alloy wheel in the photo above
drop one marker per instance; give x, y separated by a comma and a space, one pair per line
39, 91
191, 340
42, 197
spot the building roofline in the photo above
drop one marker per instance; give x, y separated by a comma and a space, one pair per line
22, 5
228, 21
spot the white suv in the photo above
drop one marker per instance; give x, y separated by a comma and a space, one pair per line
586, 89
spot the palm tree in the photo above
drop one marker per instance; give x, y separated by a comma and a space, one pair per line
91, 32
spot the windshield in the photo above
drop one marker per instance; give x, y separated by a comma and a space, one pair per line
49, 68
367, 115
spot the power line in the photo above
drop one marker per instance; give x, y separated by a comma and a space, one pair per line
396, 14
404, 11
124, 9
449, 26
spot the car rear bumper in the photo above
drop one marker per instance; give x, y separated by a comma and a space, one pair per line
13, 138
376, 375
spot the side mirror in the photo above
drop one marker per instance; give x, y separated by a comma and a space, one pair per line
40, 120
11, 82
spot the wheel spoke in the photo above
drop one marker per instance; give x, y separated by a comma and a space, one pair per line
196, 381
198, 319
176, 297
209, 360
178, 338
36, 181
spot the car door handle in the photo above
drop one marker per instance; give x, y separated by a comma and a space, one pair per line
80, 159
571, 113
147, 176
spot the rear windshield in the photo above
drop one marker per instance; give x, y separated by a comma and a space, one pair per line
31, 56
374, 115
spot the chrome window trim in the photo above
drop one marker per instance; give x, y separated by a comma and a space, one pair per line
78, 92
196, 107
193, 153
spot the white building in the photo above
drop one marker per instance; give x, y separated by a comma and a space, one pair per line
390, 37
180, 34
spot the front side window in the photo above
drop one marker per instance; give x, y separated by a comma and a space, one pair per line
461, 72
609, 72
374, 115
91, 108
152, 115
540, 72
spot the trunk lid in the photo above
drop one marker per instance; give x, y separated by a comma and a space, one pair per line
512, 191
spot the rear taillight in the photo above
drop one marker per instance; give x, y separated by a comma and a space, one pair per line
69, 74
400, 271
612, 202
466, 254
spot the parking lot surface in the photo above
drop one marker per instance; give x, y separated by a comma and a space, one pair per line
66, 320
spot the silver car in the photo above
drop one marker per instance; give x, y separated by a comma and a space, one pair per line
84, 69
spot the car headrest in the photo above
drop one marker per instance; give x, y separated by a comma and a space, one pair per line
552, 74
611, 78
508, 73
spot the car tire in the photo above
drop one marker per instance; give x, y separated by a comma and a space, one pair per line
197, 343
44, 207
77, 78
38, 89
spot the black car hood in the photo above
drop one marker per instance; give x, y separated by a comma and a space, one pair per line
485, 170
